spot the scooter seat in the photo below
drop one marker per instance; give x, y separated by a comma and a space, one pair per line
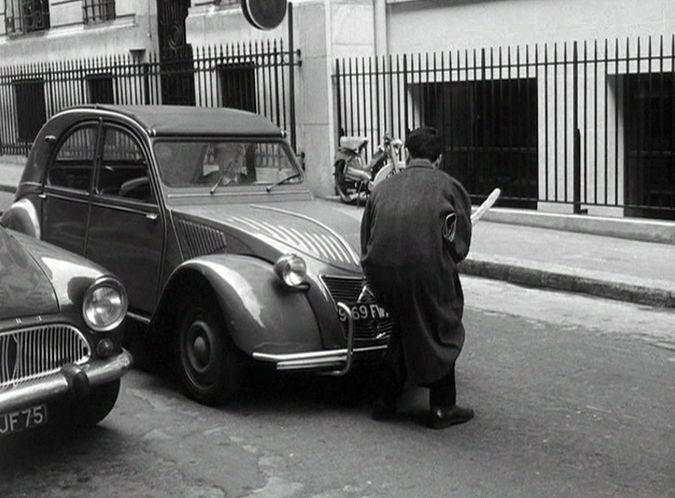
353, 143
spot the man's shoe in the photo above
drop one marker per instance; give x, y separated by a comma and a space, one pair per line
383, 410
441, 417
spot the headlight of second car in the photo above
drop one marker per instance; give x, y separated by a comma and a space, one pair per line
292, 270
104, 305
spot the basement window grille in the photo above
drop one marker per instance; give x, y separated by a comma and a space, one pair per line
26, 16
95, 11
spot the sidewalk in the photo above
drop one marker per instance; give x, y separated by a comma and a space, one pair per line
611, 267
625, 259
11, 168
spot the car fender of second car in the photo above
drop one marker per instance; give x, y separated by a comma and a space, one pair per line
26, 287
69, 275
260, 314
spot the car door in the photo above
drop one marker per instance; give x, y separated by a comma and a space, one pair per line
126, 229
67, 187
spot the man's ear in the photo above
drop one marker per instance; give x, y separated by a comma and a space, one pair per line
438, 161
407, 155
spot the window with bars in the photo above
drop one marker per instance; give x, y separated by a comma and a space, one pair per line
26, 16
237, 85
31, 109
94, 11
101, 90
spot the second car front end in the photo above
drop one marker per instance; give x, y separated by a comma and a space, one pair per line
60, 337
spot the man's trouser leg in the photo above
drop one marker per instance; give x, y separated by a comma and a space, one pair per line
392, 372
443, 393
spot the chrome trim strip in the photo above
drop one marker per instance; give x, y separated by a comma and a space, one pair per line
97, 372
323, 246
248, 192
138, 318
66, 194
125, 209
313, 359
355, 259
344, 255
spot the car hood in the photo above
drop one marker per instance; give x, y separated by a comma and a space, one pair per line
25, 289
321, 229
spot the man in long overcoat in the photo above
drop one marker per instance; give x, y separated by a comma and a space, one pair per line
416, 228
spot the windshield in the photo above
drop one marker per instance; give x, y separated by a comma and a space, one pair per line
224, 163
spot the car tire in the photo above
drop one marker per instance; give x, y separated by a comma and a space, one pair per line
95, 406
210, 367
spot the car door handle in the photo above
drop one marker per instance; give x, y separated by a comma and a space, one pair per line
152, 216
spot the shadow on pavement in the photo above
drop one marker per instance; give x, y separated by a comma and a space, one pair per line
41, 451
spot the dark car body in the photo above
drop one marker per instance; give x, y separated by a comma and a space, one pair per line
49, 356
193, 209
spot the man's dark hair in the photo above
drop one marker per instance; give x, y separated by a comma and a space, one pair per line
424, 143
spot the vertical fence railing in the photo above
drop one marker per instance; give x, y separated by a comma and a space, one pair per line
255, 76
577, 124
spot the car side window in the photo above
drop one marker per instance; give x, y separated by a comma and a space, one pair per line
73, 164
124, 170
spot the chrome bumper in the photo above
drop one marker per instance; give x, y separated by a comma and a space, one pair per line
339, 360
70, 379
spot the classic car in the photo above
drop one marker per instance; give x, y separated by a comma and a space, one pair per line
227, 258
61, 325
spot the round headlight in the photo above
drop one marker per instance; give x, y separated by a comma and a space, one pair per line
291, 269
104, 305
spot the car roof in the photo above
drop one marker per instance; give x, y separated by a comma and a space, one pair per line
162, 120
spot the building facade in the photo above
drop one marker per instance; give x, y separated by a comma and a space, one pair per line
567, 106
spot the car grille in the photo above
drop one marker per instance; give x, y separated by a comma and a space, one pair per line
347, 290
36, 352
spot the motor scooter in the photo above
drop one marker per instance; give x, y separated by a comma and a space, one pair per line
354, 177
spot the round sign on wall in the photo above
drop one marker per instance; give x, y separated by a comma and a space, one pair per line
264, 14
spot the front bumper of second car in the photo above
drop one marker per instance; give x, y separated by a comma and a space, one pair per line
70, 379
331, 362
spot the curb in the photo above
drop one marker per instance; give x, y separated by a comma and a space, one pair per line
642, 229
569, 282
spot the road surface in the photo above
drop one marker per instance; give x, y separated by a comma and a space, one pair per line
574, 396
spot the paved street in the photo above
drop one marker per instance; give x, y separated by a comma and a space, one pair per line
574, 397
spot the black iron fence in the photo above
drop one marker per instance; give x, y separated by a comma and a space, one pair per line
577, 124
257, 76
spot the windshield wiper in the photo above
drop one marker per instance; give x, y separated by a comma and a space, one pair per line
221, 177
282, 181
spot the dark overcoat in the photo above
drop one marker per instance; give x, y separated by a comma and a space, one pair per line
410, 256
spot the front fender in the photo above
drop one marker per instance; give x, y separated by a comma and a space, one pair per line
22, 216
261, 314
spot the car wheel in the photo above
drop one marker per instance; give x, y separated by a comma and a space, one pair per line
95, 406
210, 366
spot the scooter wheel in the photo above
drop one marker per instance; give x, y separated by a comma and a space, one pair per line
346, 189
